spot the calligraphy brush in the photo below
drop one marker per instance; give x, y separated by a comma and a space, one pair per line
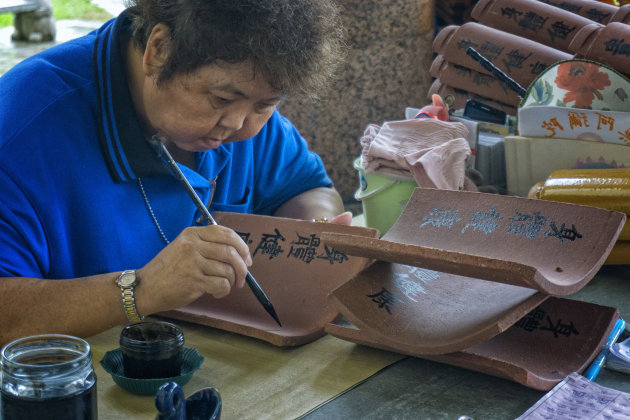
487, 64
251, 282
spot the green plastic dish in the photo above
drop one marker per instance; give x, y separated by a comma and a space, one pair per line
113, 364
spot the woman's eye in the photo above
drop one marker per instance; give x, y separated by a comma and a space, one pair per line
265, 107
219, 101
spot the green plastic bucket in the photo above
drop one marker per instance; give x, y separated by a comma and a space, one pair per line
383, 198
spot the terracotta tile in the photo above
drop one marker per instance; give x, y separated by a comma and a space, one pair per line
520, 58
464, 278
603, 44
558, 337
419, 311
552, 247
525, 18
295, 270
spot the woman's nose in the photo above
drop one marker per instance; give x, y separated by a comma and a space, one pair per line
233, 119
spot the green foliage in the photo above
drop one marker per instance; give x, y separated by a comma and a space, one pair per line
6, 19
78, 9
67, 9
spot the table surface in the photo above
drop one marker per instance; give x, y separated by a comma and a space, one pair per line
332, 378
256, 380
414, 388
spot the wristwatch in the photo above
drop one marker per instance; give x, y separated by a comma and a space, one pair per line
127, 282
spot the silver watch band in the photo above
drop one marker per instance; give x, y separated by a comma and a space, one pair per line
129, 304
127, 282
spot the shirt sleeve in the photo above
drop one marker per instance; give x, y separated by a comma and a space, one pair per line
284, 165
23, 249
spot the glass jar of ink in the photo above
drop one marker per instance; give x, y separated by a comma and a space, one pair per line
48, 376
151, 350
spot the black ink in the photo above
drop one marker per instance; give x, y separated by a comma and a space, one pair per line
528, 324
269, 244
567, 5
563, 232
245, 236
151, 350
481, 79
464, 44
81, 406
537, 67
617, 47
560, 30
463, 71
511, 13
532, 321
385, 299
532, 21
490, 50
332, 255
597, 15
560, 328
515, 59
307, 249
152, 368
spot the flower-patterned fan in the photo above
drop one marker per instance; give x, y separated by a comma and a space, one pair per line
577, 99
580, 84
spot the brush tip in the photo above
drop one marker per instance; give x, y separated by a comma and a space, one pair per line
272, 312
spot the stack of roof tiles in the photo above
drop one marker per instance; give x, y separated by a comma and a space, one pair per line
522, 38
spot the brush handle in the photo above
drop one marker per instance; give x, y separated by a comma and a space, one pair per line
249, 279
487, 64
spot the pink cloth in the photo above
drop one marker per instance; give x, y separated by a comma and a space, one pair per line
430, 151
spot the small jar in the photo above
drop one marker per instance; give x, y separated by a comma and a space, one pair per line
151, 350
47, 376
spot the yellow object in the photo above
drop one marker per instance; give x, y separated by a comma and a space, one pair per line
620, 254
532, 159
603, 188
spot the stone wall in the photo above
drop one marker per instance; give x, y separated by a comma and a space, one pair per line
387, 69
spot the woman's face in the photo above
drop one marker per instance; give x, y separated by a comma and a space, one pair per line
216, 104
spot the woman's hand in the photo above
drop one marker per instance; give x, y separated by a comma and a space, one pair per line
209, 259
344, 218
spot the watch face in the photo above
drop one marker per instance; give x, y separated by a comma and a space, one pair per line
127, 279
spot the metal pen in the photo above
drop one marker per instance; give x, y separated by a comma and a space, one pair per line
251, 282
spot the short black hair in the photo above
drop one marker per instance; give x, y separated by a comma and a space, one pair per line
296, 44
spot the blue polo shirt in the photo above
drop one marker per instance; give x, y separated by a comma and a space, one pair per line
72, 152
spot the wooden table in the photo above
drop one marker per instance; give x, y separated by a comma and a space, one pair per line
256, 380
260, 381
422, 389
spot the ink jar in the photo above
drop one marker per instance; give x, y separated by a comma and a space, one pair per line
48, 376
151, 350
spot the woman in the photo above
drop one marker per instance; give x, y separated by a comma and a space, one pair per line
85, 200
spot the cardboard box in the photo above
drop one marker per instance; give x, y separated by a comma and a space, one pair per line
529, 160
574, 123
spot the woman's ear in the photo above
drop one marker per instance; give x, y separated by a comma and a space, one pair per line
157, 49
